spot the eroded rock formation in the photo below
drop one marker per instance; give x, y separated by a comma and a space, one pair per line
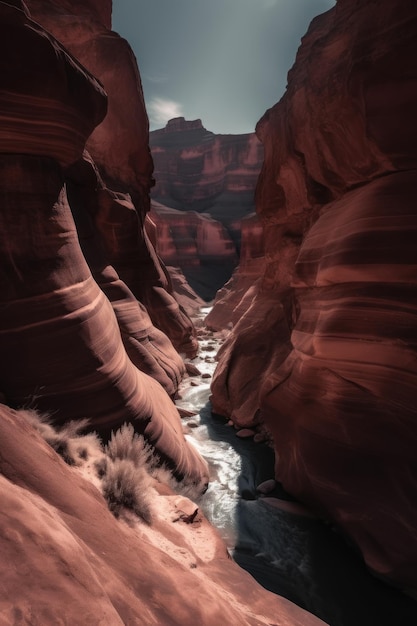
196, 169
338, 296
60, 338
232, 299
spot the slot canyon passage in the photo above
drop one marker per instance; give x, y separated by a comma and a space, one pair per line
166, 460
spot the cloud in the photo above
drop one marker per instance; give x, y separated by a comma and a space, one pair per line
161, 110
154, 78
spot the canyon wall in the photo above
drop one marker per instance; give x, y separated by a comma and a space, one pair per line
211, 175
324, 355
75, 341
78, 344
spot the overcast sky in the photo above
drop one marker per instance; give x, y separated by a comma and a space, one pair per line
224, 61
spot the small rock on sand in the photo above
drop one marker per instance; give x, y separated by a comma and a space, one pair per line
245, 433
192, 370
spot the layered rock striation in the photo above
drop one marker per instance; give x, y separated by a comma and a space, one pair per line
334, 380
196, 169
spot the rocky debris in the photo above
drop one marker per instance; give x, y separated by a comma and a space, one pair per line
192, 370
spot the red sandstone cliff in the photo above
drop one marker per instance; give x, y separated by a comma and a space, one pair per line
196, 169
199, 171
61, 337
325, 352
119, 147
198, 244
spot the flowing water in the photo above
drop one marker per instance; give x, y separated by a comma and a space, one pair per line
296, 556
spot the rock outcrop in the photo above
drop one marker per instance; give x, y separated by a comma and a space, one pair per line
325, 352
232, 299
200, 172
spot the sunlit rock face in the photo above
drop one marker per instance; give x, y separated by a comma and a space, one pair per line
197, 170
60, 338
338, 296
119, 148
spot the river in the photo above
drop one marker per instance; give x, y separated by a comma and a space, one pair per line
300, 557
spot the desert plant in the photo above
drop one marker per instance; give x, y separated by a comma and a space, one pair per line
126, 486
67, 440
123, 469
125, 443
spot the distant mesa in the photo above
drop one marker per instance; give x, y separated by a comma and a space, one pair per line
178, 124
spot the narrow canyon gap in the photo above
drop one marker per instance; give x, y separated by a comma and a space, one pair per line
321, 359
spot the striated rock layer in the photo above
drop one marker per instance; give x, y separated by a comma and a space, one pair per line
119, 147
196, 169
338, 297
60, 338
